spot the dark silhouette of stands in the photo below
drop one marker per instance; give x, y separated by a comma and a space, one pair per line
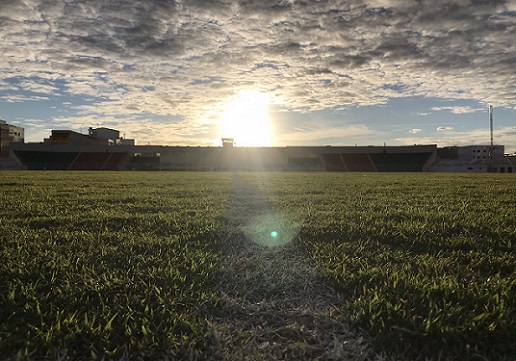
71, 160
400, 162
333, 162
97, 161
348, 162
46, 160
304, 163
143, 163
360, 162
375, 162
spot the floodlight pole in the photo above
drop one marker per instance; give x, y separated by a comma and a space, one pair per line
491, 131
491, 123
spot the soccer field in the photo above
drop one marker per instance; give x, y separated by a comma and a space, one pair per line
257, 266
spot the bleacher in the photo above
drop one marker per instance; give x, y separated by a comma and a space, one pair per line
304, 164
333, 162
114, 161
89, 161
97, 161
35, 160
143, 163
359, 162
8, 164
400, 162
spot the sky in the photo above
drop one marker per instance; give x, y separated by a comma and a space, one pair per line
285, 72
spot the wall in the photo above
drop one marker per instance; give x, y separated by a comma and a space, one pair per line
9, 134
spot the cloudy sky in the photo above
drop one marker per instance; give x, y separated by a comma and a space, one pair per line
323, 71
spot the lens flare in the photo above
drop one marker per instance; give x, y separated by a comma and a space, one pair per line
258, 229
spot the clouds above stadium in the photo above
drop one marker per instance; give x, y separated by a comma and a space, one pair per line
173, 64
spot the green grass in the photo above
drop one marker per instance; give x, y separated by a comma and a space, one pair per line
427, 261
126, 264
106, 263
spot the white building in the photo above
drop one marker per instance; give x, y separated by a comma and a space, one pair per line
474, 159
9, 134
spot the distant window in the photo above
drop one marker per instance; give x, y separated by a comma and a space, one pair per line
470, 168
502, 169
509, 170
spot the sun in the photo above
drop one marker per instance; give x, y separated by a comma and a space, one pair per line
245, 119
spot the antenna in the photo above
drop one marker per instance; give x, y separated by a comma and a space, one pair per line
491, 123
490, 154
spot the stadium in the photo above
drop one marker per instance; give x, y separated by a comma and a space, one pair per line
104, 149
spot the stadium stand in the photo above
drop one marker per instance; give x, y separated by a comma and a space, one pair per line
400, 162
304, 163
359, 162
89, 161
35, 160
333, 162
143, 163
114, 161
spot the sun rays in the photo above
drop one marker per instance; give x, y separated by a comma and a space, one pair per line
245, 118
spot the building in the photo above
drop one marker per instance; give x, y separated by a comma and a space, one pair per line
9, 134
104, 133
474, 159
98, 136
103, 149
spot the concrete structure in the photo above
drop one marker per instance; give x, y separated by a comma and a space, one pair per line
9, 134
99, 136
474, 159
104, 133
102, 149
68, 150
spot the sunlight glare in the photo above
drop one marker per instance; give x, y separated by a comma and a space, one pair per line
246, 120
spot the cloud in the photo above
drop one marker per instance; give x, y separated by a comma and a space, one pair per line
505, 136
21, 98
310, 55
444, 129
415, 130
460, 109
330, 135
